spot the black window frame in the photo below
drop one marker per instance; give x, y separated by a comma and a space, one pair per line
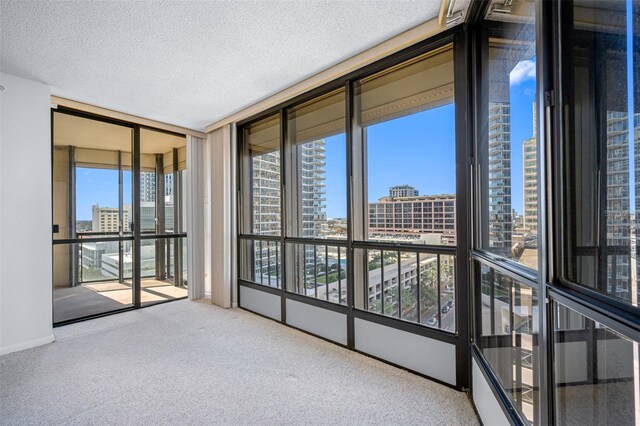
136, 235
456, 37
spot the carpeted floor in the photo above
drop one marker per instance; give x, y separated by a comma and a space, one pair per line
193, 363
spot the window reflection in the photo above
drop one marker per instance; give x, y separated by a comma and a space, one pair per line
509, 337
601, 166
509, 148
261, 178
596, 372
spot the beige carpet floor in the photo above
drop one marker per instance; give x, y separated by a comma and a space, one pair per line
193, 363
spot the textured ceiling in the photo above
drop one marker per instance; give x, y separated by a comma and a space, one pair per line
190, 63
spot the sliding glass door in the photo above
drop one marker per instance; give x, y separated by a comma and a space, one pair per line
162, 216
118, 229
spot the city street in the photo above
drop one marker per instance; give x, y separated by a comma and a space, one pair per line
448, 320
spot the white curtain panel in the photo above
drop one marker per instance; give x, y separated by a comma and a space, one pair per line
195, 217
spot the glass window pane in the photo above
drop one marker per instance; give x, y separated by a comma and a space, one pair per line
261, 207
95, 219
148, 202
90, 279
162, 161
508, 148
390, 283
261, 262
429, 287
373, 295
90, 190
447, 292
409, 279
600, 188
91, 199
509, 337
162, 264
596, 372
318, 271
407, 140
416, 287
317, 166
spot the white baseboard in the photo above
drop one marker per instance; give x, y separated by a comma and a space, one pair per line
27, 345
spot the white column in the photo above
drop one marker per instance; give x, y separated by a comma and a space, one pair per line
222, 225
195, 217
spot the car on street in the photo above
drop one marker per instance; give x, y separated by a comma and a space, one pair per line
433, 320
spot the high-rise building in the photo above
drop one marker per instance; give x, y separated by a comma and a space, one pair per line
168, 185
412, 216
530, 179
618, 204
403, 191
500, 225
266, 201
266, 194
312, 162
147, 186
266, 190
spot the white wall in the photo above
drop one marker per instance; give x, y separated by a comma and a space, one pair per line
25, 214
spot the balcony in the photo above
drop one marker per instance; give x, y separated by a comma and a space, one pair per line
96, 277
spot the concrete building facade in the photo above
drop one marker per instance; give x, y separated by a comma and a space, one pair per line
107, 219
426, 214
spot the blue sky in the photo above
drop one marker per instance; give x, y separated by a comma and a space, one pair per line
522, 95
409, 150
99, 186
336, 175
417, 150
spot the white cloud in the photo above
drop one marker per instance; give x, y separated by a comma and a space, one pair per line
524, 70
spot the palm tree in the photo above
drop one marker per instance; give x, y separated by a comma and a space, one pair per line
428, 289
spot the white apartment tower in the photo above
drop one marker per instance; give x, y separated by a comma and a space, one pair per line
266, 194
500, 226
312, 162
